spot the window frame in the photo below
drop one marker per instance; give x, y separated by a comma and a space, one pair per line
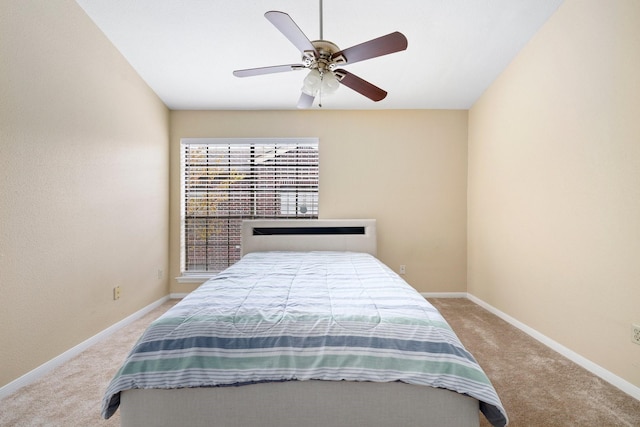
192, 276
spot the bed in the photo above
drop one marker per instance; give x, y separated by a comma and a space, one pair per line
308, 329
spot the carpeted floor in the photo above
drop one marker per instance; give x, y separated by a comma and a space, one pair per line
538, 387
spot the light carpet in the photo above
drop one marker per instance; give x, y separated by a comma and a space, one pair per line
537, 385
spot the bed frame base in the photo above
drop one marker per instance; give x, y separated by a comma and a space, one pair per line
298, 404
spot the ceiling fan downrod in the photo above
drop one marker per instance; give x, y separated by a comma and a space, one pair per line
321, 36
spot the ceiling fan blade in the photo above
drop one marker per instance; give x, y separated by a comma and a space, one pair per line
267, 70
290, 29
305, 101
384, 45
361, 86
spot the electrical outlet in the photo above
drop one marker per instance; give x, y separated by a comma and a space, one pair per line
116, 293
403, 269
635, 334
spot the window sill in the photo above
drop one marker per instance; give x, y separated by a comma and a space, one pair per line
195, 278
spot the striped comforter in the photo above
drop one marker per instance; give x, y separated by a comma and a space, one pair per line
279, 316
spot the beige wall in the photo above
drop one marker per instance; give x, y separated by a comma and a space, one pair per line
83, 183
407, 169
554, 184
553, 177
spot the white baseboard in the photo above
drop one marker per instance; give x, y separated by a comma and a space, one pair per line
178, 295
595, 369
45, 368
444, 294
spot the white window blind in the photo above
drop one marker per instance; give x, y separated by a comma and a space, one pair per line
225, 181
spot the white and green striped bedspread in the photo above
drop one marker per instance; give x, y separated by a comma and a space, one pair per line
280, 316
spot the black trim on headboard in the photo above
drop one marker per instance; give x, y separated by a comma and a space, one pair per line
292, 231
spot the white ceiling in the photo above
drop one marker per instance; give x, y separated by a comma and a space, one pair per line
186, 50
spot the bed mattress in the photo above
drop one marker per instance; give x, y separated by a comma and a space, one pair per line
296, 316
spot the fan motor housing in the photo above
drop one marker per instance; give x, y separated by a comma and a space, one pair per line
325, 49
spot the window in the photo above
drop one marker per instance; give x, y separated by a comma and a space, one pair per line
225, 181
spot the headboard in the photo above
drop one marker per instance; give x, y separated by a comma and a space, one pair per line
356, 235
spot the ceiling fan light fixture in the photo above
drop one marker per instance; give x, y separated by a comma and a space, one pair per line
330, 83
316, 82
311, 83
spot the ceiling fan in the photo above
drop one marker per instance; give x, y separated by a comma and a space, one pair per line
322, 58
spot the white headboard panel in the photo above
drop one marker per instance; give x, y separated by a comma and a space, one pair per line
356, 235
